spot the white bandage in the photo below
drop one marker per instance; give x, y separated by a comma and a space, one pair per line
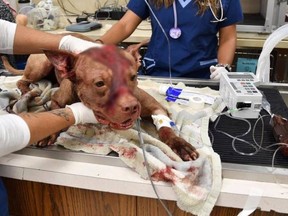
162, 121
8, 30
76, 45
14, 134
82, 114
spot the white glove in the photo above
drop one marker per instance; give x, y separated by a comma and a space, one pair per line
216, 72
82, 114
76, 45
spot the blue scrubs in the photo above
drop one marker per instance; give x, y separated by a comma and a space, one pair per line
195, 51
3, 200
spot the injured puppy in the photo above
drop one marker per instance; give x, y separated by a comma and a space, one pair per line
105, 80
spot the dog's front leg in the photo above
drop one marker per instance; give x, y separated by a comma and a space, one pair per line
151, 107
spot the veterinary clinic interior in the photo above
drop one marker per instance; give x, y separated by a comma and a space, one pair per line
236, 123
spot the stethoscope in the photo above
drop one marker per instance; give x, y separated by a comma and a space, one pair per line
175, 31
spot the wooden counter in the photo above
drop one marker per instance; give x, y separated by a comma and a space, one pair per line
244, 40
45, 186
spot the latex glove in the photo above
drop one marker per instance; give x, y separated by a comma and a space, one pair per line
76, 45
82, 114
216, 72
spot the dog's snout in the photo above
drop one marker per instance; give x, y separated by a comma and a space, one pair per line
131, 108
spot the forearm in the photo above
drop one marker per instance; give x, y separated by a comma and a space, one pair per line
122, 29
44, 124
28, 40
115, 35
226, 52
227, 45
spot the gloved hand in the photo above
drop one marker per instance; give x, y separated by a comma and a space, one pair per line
216, 72
76, 45
82, 114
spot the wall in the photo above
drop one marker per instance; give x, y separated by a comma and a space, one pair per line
78, 7
249, 6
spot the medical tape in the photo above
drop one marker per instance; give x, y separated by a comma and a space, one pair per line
252, 202
162, 121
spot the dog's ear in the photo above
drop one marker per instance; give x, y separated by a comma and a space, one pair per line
62, 61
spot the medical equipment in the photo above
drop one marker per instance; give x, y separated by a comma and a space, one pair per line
221, 18
184, 96
175, 32
83, 26
239, 92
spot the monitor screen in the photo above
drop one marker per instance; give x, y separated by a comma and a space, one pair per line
240, 76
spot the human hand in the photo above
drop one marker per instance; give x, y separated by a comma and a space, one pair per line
216, 72
76, 45
82, 114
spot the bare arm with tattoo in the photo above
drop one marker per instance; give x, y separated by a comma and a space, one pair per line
18, 131
44, 124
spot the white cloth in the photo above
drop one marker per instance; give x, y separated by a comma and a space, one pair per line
216, 72
76, 45
7, 35
82, 114
14, 134
197, 184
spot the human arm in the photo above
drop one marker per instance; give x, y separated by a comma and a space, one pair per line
19, 39
17, 131
226, 51
122, 29
227, 44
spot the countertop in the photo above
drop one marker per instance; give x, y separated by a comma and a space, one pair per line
122, 180
143, 31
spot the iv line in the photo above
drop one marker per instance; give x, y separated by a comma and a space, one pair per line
147, 166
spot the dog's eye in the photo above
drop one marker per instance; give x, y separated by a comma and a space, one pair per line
133, 78
99, 84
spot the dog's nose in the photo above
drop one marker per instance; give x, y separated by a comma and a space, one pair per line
131, 108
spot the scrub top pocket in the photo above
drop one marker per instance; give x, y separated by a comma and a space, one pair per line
148, 64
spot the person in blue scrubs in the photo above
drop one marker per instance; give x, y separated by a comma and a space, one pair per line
190, 42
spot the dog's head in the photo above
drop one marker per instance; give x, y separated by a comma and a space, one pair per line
105, 80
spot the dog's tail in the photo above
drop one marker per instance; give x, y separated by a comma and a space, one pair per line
9, 67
